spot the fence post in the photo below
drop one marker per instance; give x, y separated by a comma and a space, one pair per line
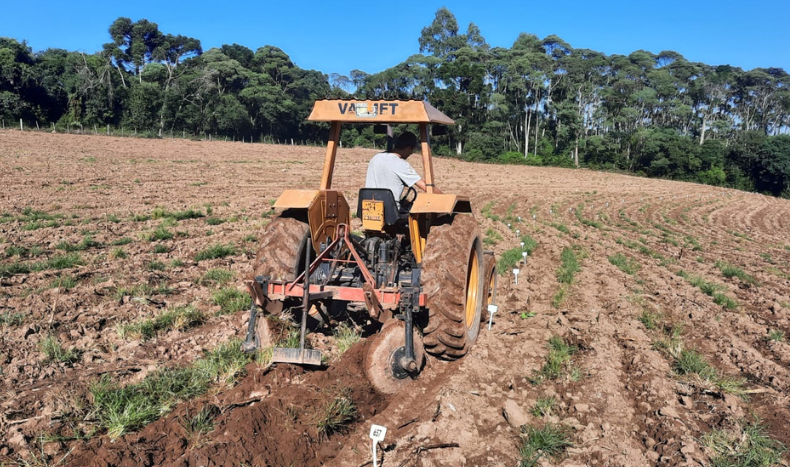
53, 128
21, 127
108, 129
37, 128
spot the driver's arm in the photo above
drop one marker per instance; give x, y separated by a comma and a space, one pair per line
421, 185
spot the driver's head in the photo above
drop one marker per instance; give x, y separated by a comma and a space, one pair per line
405, 144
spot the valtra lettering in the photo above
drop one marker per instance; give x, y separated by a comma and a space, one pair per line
377, 109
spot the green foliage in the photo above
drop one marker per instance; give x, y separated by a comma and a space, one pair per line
217, 276
230, 300
122, 241
345, 337
729, 271
746, 446
558, 361
54, 351
510, 258
550, 441
215, 251
776, 335
544, 406
8, 318
179, 318
336, 414
87, 242
158, 234
624, 263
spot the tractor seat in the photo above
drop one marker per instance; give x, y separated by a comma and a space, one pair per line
392, 214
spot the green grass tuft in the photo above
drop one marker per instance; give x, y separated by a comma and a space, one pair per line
544, 406
179, 318
336, 414
345, 337
230, 300
551, 441
215, 251
54, 351
558, 361
748, 446
215, 276
624, 263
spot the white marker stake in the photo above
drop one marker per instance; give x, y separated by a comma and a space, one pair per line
377, 434
519, 218
515, 273
518, 232
524, 255
522, 245
533, 217
491, 310
508, 225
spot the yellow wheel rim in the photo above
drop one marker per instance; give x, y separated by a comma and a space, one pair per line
472, 286
491, 288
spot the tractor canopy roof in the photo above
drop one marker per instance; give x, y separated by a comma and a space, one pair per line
377, 111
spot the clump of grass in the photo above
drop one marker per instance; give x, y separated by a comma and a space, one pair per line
215, 221
569, 266
746, 446
8, 270
201, 423
558, 361
217, 276
118, 253
336, 414
561, 227
8, 318
224, 363
777, 335
122, 241
54, 351
158, 234
711, 289
87, 242
551, 441
511, 257
156, 266
230, 300
216, 251
345, 337
160, 248
729, 271
64, 282
179, 318
251, 238
544, 406
624, 263
492, 237
689, 362
650, 319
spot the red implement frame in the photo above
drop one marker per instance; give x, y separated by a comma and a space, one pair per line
387, 297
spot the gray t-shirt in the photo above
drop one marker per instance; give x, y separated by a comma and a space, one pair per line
388, 170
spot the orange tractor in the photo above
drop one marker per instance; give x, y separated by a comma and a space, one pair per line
418, 269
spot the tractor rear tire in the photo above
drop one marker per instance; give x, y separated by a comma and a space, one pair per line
280, 255
452, 279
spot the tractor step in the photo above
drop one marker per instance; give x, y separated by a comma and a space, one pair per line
297, 356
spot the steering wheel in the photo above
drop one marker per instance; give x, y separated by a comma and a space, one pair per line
408, 198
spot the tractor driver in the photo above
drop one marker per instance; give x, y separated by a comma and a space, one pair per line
390, 169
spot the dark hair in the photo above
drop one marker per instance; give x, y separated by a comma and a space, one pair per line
406, 139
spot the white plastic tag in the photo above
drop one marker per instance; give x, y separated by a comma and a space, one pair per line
377, 433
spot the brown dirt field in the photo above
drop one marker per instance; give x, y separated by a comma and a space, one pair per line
624, 404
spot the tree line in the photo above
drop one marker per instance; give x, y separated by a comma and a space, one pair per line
539, 102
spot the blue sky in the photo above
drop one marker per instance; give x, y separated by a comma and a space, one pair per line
372, 36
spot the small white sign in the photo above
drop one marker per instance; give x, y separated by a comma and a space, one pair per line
515, 273
377, 433
491, 310
522, 245
524, 255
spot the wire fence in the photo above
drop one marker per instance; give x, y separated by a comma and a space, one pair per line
124, 132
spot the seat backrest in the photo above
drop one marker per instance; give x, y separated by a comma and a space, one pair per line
391, 215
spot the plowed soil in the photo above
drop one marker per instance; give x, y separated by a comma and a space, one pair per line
622, 398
